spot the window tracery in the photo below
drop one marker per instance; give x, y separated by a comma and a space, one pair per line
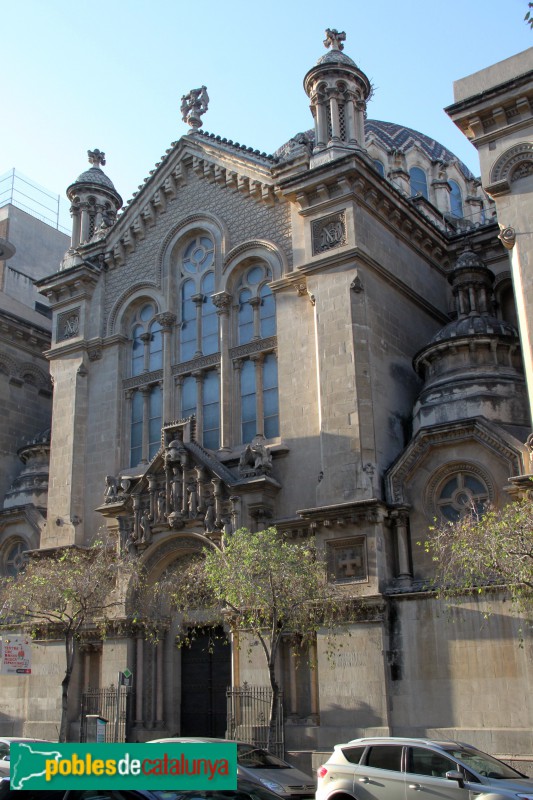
14, 557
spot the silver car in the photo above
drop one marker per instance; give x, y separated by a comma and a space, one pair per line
263, 767
388, 768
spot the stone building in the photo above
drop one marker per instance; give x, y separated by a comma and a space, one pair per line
325, 339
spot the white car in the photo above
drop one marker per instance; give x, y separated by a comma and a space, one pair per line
388, 768
5, 746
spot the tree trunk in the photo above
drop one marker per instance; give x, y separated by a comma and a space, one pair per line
274, 707
65, 684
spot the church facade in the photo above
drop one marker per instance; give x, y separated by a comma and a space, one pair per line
327, 339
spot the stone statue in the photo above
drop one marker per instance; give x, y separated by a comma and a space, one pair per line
110, 493
145, 526
210, 517
193, 105
173, 452
192, 503
161, 504
256, 457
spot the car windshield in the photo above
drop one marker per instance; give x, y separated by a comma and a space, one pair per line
483, 764
256, 758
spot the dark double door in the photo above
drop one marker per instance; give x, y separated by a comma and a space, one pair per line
205, 676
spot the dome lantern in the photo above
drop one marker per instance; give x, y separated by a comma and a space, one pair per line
338, 91
94, 201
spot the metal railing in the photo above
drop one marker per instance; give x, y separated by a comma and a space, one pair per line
21, 192
113, 704
249, 714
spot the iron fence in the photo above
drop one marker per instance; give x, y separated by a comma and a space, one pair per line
113, 704
249, 715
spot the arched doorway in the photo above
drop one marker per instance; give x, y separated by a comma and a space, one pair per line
205, 676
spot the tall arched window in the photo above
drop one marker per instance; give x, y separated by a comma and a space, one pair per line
209, 316
147, 345
248, 402
256, 321
155, 346
198, 317
146, 420
188, 397
267, 312
456, 199
270, 396
188, 322
418, 182
379, 166
211, 410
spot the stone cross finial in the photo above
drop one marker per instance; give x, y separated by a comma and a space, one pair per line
334, 39
193, 105
96, 157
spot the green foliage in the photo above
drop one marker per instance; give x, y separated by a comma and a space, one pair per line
529, 16
481, 550
66, 590
260, 583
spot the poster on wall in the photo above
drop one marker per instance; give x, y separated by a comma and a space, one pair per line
15, 655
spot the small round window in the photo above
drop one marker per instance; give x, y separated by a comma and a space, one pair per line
460, 494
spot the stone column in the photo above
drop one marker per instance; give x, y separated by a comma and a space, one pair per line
237, 367
139, 681
199, 376
222, 301
400, 519
198, 299
334, 111
76, 225
160, 695
255, 302
167, 321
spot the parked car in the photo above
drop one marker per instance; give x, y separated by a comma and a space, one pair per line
389, 768
259, 765
246, 790
5, 747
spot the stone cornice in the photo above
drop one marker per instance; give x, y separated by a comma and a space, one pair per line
371, 510
351, 180
76, 283
25, 336
477, 428
351, 258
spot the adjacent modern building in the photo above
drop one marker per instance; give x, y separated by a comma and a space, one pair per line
333, 339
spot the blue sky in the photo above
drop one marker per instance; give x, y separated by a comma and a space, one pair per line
110, 74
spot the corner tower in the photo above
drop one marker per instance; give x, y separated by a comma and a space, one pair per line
338, 91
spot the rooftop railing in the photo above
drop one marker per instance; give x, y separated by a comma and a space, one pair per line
23, 193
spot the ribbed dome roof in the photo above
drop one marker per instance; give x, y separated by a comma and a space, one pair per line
392, 137
479, 324
96, 177
336, 57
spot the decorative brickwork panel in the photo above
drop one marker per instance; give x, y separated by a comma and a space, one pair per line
244, 218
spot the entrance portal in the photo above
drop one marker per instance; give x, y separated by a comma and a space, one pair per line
205, 676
